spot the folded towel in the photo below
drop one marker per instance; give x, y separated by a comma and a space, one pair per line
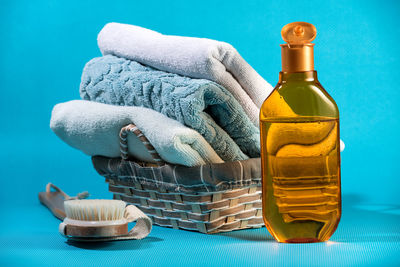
188, 56
94, 129
200, 104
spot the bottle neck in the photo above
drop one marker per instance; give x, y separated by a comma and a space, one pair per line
308, 76
297, 58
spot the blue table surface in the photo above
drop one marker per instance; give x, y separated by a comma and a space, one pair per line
368, 235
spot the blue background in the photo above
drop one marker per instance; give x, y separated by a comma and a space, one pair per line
44, 46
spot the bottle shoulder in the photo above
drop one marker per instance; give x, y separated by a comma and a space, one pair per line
294, 99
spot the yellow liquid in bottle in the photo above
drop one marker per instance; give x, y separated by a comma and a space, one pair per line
301, 177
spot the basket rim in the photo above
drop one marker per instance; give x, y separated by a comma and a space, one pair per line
170, 178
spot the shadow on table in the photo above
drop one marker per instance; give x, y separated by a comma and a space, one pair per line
53, 241
255, 235
360, 222
116, 245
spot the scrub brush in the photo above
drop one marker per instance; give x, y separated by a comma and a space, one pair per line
96, 219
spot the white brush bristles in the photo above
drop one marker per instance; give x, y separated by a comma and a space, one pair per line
94, 209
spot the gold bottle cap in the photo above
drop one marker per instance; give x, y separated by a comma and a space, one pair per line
298, 33
298, 52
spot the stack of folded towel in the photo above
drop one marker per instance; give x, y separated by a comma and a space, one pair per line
195, 99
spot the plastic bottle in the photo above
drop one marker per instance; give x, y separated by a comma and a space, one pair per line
300, 153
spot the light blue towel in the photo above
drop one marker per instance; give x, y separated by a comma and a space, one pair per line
200, 104
94, 129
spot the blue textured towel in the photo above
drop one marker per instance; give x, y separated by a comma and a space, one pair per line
200, 104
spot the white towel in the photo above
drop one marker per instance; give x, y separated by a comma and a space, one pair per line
94, 129
189, 56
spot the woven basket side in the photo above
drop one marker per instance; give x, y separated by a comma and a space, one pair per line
215, 214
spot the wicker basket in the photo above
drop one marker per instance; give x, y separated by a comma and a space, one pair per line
220, 203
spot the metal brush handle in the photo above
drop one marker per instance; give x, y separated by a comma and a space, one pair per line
123, 143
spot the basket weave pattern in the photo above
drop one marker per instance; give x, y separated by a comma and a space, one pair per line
206, 212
